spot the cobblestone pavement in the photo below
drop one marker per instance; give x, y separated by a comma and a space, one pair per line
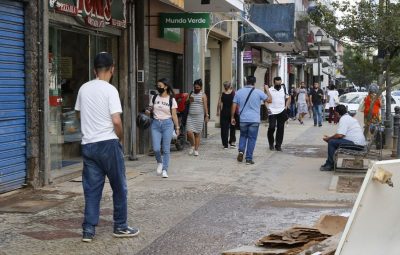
209, 204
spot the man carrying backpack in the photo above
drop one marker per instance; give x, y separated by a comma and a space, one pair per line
278, 114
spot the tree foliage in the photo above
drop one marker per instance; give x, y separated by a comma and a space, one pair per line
358, 66
363, 25
365, 22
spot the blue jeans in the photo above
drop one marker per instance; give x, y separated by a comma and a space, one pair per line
101, 159
333, 145
161, 131
293, 111
248, 138
317, 113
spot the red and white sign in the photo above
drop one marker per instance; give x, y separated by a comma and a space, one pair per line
96, 13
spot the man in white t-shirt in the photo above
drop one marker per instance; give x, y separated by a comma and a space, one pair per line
100, 108
333, 95
278, 114
349, 132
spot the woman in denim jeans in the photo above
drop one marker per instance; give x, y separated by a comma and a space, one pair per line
164, 117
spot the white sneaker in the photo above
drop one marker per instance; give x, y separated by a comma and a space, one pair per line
164, 174
159, 168
191, 151
196, 153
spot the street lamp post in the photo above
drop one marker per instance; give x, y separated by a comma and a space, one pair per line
318, 37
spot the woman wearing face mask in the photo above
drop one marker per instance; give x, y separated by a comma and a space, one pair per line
224, 111
164, 118
302, 103
198, 113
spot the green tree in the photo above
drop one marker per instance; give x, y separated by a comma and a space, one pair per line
366, 24
358, 66
363, 25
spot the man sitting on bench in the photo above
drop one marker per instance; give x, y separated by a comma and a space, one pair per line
349, 132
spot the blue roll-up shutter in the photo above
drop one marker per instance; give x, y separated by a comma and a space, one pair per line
12, 96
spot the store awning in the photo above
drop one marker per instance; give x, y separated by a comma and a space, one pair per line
282, 47
279, 35
256, 29
214, 5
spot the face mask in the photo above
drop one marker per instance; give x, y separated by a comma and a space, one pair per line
277, 87
197, 91
160, 90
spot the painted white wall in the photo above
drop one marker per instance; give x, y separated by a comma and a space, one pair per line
283, 68
215, 82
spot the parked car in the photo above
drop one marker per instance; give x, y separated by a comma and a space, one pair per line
354, 104
394, 102
351, 100
396, 93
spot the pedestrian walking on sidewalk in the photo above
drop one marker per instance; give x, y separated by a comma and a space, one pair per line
228, 130
302, 102
310, 109
349, 132
163, 107
249, 101
316, 101
99, 107
293, 103
374, 117
198, 115
278, 114
333, 97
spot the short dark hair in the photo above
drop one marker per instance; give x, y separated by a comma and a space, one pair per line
198, 82
341, 109
103, 60
277, 78
251, 80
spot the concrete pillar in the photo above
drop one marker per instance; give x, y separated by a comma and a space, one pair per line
35, 148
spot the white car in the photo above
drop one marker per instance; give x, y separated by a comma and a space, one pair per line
351, 100
354, 103
395, 102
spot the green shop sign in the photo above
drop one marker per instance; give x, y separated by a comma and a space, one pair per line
95, 13
184, 20
172, 34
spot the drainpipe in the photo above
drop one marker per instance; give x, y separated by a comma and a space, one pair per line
132, 79
43, 67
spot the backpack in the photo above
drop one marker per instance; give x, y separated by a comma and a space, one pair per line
153, 100
185, 112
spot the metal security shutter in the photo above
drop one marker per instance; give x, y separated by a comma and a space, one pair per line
161, 66
152, 68
12, 96
165, 66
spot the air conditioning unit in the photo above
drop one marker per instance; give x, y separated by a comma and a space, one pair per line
140, 76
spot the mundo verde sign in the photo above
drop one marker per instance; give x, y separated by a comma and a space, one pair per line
184, 20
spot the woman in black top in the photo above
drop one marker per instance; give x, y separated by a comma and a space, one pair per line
224, 111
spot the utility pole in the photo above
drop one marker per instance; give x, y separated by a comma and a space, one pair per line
386, 64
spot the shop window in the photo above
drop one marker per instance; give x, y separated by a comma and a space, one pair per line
71, 57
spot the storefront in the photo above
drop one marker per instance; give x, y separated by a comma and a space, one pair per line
13, 126
258, 62
77, 32
220, 59
166, 53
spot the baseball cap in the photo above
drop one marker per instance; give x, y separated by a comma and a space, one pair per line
103, 60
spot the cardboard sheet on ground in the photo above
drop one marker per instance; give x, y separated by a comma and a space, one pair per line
374, 225
331, 224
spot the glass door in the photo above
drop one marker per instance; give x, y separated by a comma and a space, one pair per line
71, 57
68, 70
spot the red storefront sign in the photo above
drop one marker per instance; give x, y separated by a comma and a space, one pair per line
95, 13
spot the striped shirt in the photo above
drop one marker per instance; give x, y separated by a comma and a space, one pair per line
197, 107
